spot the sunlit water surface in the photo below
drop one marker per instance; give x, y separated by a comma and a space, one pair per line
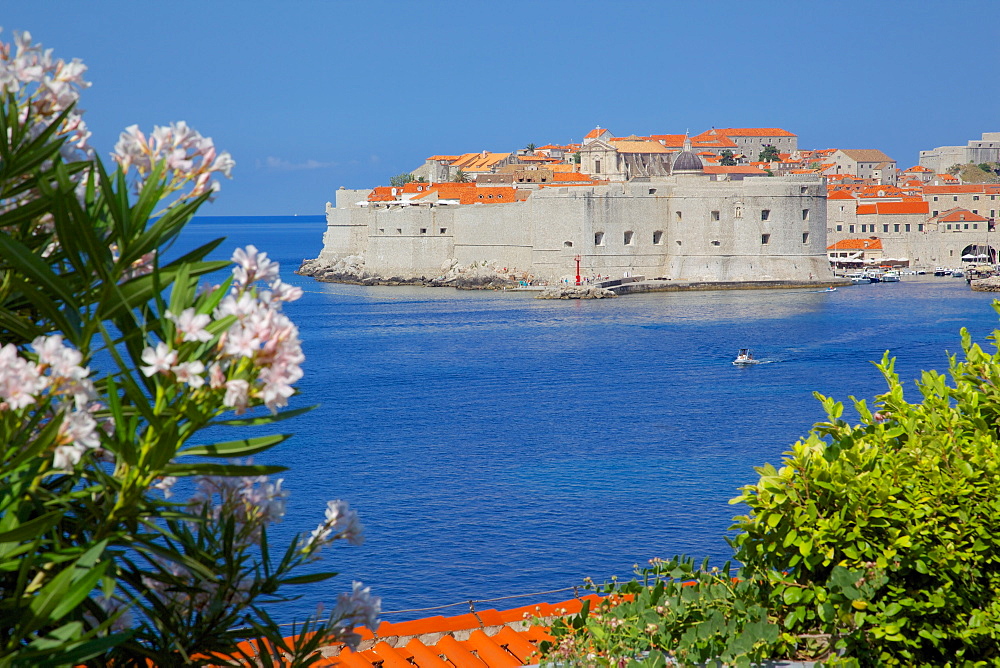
495, 444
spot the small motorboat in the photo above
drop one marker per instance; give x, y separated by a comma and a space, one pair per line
830, 289
745, 358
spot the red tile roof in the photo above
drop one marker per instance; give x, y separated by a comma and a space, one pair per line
857, 244
484, 639
960, 215
488, 195
840, 194
893, 208
954, 189
749, 132
733, 169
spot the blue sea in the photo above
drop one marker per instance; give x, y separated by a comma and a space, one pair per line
497, 445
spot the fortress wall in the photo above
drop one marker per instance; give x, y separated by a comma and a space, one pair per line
935, 248
684, 227
498, 232
719, 234
346, 226
409, 241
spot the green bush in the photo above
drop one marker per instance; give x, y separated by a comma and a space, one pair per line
874, 544
114, 362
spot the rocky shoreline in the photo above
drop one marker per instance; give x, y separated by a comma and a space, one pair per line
351, 269
991, 284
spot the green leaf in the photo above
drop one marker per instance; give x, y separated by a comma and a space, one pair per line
243, 448
32, 528
232, 470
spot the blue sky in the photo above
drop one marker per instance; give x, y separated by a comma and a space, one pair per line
309, 96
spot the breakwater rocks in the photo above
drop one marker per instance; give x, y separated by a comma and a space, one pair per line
991, 284
575, 292
483, 275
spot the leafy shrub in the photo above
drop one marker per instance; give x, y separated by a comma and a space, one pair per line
113, 363
874, 544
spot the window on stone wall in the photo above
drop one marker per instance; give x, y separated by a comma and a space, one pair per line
802, 190
444, 230
657, 238
652, 191
906, 228
678, 215
805, 237
597, 166
934, 213
423, 230
895, 227
381, 230
598, 238
568, 244
920, 227
805, 214
840, 228
399, 230
885, 228
739, 212
851, 230
715, 215
765, 214
765, 239
715, 242
678, 242
628, 237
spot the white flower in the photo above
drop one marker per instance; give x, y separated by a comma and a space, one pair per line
158, 360
21, 382
237, 395
358, 608
253, 265
190, 325
190, 373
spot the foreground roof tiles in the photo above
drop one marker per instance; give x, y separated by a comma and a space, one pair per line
484, 639
857, 244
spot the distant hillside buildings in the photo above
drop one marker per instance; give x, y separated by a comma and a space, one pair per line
727, 204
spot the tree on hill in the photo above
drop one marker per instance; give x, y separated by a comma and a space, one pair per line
461, 177
769, 154
728, 159
530, 148
400, 180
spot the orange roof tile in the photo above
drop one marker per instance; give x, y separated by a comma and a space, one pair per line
960, 215
857, 244
749, 132
894, 208
488, 195
733, 169
955, 189
840, 194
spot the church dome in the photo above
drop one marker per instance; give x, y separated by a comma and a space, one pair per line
687, 161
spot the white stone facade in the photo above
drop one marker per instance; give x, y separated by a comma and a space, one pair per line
683, 227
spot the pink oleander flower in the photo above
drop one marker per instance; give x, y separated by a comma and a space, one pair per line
237, 395
158, 360
190, 373
340, 521
21, 381
357, 608
253, 265
191, 326
190, 158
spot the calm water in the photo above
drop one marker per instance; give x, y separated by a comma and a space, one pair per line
495, 444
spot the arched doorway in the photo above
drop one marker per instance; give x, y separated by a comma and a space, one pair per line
979, 253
